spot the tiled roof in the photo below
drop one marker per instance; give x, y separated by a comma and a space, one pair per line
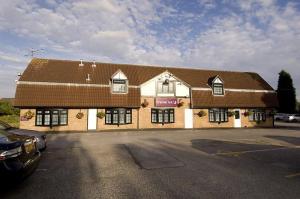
204, 99
60, 71
65, 96
85, 95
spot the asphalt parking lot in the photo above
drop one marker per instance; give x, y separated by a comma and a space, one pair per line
214, 163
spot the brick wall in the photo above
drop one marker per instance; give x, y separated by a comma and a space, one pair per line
102, 126
74, 124
145, 115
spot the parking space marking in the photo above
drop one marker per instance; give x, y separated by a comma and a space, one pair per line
252, 151
292, 175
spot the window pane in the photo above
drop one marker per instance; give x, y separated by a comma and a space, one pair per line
160, 116
119, 87
171, 116
121, 116
47, 119
218, 89
39, 118
115, 118
128, 116
166, 116
211, 116
63, 117
54, 117
154, 116
108, 118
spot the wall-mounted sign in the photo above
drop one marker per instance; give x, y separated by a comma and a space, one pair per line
119, 81
166, 102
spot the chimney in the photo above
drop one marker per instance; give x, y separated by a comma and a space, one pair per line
94, 64
81, 63
88, 78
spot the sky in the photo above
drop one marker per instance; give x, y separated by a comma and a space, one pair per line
260, 36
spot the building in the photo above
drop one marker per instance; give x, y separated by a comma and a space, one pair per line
58, 95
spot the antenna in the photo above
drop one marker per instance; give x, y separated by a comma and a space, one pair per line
32, 52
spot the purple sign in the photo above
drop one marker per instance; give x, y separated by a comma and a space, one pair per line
166, 102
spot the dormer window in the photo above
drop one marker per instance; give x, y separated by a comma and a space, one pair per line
119, 83
217, 86
119, 86
218, 89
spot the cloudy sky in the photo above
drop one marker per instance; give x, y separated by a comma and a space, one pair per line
261, 35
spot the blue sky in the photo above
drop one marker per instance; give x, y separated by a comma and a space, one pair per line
251, 35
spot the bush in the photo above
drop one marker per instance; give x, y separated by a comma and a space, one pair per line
6, 108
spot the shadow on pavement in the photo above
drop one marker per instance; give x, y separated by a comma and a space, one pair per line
219, 146
291, 140
60, 173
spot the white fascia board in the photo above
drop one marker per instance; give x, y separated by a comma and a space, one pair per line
66, 84
235, 90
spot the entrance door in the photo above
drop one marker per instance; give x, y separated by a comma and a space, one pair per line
92, 119
188, 118
237, 118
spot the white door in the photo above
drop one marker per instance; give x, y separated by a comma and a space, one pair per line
188, 118
92, 119
237, 118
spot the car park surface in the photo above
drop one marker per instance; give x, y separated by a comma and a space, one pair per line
213, 163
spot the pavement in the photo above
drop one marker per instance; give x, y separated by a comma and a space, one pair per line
212, 163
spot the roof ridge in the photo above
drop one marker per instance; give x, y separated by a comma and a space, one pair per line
153, 66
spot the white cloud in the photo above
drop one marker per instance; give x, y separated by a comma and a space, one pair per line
122, 31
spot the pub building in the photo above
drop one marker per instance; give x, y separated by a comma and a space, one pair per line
62, 95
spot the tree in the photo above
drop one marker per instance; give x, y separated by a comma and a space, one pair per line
286, 93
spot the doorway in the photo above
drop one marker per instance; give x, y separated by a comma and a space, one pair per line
92, 119
237, 118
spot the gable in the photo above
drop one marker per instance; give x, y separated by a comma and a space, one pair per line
119, 75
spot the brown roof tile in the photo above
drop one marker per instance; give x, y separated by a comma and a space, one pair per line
61, 71
64, 96
204, 99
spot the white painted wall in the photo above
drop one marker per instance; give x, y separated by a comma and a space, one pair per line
119, 75
182, 90
149, 87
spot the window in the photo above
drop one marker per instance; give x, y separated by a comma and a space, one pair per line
118, 116
257, 115
218, 115
119, 86
162, 116
51, 117
218, 89
165, 87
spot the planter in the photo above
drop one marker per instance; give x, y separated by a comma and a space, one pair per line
79, 115
230, 113
100, 115
201, 113
180, 103
145, 103
28, 115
